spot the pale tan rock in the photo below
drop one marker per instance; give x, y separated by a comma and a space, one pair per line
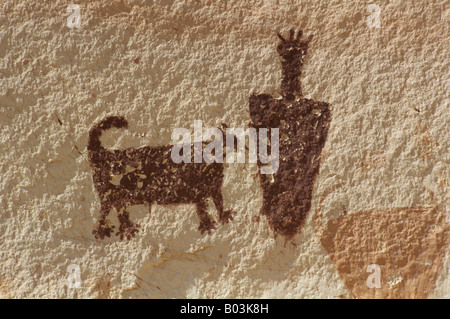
164, 65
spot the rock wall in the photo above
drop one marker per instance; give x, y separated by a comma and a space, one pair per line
377, 224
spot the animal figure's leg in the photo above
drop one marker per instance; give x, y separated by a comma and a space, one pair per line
206, 222
224, 216
103, 229
127, 228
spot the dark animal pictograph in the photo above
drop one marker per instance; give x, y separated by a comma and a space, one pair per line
303, 127
148, 175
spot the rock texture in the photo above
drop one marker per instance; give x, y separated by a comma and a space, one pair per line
380, 196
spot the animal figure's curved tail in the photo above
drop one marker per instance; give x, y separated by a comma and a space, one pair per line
95, 133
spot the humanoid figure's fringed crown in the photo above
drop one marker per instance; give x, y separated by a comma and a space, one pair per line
292, 52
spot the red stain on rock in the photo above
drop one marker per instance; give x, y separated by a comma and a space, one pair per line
408, 244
